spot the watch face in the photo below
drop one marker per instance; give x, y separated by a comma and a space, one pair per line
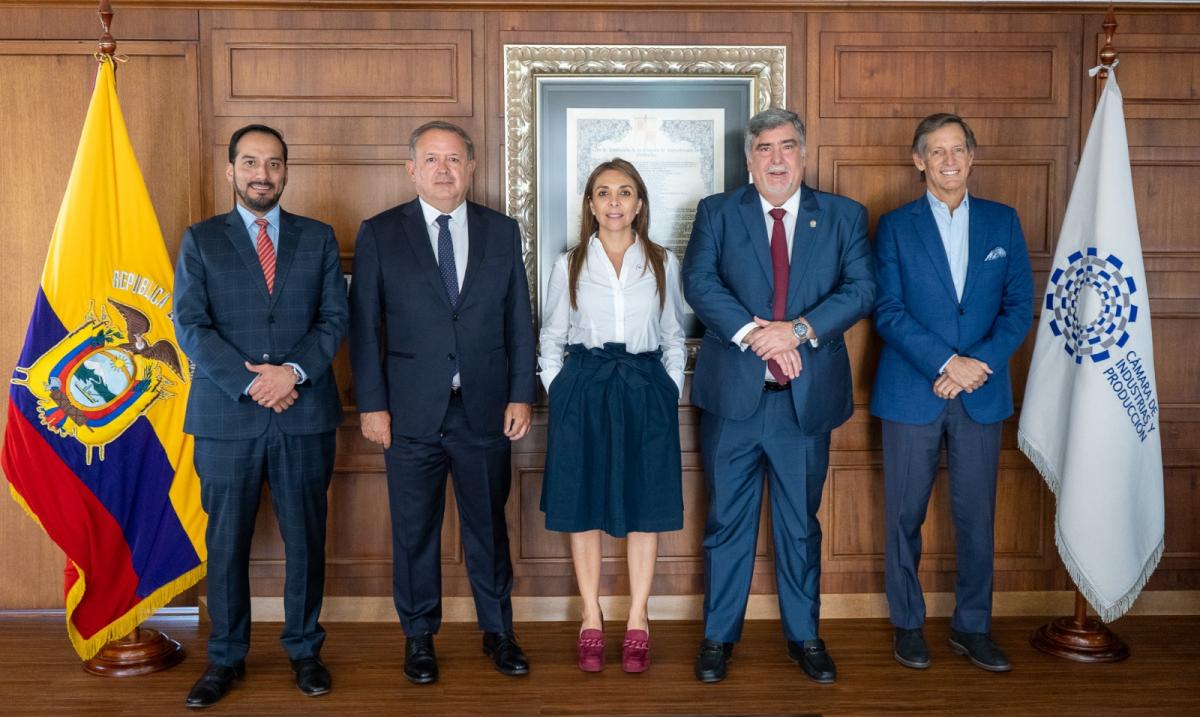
801, 330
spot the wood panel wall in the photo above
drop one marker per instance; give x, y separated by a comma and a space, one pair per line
347, 86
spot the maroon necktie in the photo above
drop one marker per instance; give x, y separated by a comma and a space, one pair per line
266, 254
779, 268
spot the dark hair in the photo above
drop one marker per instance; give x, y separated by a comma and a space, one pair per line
933, 123
656, 256
770, 119
238, 134
445, 127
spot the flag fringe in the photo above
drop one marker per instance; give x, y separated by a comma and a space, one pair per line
89, 647
1107, 613
1043, 464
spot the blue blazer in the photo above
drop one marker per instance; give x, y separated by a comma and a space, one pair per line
225, 317
923, 323
727, 280
404, 333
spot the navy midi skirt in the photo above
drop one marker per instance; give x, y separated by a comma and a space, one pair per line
612, 460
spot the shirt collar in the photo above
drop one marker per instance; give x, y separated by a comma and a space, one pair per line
249, 217
457, 216
791, 206
634, 252
938, 205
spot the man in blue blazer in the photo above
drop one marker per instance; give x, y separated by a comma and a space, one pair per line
260, 309
777, 272
442, 348
955, 302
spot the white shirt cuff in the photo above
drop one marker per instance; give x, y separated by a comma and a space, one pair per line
741, 334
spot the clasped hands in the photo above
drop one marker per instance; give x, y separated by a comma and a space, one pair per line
776, 340
961, 374
377, 425
274, 387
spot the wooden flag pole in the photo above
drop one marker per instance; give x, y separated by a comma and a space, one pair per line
1082, 638
144, 650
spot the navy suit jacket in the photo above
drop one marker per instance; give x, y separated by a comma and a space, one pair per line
922, 322
224, 316
404, 335
727, 280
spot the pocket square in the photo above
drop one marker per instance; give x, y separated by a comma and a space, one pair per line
997, 253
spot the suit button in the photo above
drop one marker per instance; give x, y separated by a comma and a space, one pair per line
450, 357
454, 317
270, 319
266, 357
961, 311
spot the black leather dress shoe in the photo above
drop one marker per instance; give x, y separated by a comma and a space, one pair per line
311, 676
214, 683
502, 647
420, 662
713, 660
910, 650
980, 650
812, 657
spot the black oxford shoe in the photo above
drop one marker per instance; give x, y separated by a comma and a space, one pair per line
979, 648
311, 676
420, 662
713, 660
815, 661
910, 650
214, 683
502, 647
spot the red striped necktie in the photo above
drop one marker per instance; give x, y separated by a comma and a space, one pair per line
266, 254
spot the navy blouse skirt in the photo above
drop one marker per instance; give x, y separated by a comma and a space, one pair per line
612, 461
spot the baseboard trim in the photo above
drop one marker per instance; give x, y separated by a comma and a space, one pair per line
761, 607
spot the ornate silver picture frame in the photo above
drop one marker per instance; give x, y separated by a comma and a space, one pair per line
679, 113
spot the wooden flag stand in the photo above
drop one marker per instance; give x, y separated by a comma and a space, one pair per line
1079, 638
144, 650
1082, 638
141, 652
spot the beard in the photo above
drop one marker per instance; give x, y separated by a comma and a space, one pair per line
254, 202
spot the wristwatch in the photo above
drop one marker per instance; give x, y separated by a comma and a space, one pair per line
296, 373
800, 329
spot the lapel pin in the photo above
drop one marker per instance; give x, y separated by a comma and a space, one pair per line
812, 223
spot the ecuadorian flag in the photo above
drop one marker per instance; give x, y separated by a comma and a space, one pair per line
94, 446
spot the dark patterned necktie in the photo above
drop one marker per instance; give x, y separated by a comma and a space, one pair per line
448, 271
446, 260
779, 267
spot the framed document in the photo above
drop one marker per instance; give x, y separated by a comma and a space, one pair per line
677, 113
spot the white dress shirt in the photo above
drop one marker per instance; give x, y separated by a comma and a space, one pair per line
792, 208
613, 308
458, 234
458, 238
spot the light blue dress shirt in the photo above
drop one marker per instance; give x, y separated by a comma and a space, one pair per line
953, 229
272, 218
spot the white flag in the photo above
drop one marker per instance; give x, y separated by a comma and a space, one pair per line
1090, 418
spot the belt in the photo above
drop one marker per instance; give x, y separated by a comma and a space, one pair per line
772, 387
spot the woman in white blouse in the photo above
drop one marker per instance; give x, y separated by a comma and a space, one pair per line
612, 358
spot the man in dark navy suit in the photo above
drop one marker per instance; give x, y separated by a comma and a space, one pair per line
260, 308
442, 348
777, 272
955, 302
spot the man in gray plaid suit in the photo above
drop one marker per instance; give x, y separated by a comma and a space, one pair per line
260, 308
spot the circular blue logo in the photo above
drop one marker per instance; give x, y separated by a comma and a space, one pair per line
1092, 304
